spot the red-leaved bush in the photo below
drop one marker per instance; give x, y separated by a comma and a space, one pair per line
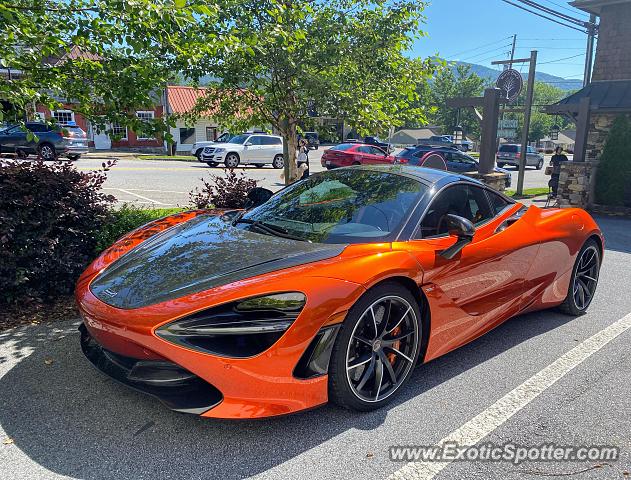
223, 192
50, 215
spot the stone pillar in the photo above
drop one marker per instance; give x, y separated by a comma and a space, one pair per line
494, 180
576, 184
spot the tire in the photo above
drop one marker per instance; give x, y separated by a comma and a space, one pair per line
500, 165
73, 158
278, 162
232, 160
393, 355
539, 165
356, 163
198, 154
585, 278
211, 164
46, 151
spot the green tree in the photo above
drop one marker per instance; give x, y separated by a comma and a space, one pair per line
127, 52
453, 82
341, 58
614, 170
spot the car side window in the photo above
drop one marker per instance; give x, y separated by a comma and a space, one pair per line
376, 151
363, 149
255, 140
498, 203
466, 201
37, 127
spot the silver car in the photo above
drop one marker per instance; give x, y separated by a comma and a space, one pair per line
510, 153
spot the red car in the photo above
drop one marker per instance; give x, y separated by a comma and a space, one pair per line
347, 154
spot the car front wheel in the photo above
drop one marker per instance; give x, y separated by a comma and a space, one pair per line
540, 165
232, 160
376, 349
584, 280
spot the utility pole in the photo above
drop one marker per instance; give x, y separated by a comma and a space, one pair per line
512, 52
589, 56
527, 111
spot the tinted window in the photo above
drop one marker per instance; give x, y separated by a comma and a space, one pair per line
498, 203
463, 200
37, 127
239, 139
364, 149
255, 140
342, 207
271, 141
509, 148
342, 147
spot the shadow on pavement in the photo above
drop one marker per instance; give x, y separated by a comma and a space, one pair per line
73, 421
617, 232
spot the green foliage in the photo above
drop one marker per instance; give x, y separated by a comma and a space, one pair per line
450, 83
50, 216
342, 58
613, 178
124, 220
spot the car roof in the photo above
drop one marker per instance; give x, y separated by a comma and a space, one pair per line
428, 176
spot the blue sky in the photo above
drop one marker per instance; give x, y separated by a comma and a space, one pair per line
477, 31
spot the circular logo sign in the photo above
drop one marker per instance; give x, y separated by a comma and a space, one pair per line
510, 82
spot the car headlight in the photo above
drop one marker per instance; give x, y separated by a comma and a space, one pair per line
238, 329
219, 150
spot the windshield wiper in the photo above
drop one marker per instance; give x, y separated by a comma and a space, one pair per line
270, 229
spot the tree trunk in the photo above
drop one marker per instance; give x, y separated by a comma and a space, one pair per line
290, 147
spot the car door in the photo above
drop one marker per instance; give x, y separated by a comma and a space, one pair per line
252, 150
269, 148
378, 156
13, 138
485, 280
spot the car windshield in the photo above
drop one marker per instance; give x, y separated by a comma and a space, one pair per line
345, 206
239, 139
405, 152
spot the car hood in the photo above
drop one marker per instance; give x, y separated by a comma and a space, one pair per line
203, 253
226, 145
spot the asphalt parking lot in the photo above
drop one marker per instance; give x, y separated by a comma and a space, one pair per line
165, 183
59, 418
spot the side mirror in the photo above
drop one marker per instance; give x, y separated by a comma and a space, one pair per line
247, 144
257, 196
463, 230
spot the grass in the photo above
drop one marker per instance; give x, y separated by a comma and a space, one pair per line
177, 158
528, 192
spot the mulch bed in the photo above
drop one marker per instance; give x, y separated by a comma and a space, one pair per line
35, 313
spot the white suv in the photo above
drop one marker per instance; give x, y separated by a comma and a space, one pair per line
247, 149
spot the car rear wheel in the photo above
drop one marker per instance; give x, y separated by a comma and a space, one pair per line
232, 160
46, 151
584, 280
540, 164
376, 349
278, 162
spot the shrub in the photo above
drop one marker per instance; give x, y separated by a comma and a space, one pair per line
50, 215
126, 219
223, 192
614, 169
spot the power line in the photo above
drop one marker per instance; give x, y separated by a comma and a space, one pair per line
498, 49
560, 59
477, 48
575, 12
549, 11
543, 16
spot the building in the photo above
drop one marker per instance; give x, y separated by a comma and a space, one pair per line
595, 107
411, 136
565, 140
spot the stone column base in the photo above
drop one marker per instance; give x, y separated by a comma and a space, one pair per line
576, 184
494, 180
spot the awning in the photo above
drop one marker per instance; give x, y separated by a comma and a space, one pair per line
613, 96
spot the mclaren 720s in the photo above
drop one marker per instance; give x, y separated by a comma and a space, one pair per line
332, 289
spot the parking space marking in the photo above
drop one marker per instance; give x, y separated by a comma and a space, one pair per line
140, 196
145, 191
494, 416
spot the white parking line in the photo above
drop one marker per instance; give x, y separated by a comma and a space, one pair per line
140, 196
140, 190
484, 423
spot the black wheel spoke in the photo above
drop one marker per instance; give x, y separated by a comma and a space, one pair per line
363, 340
378, 378
363, 360
389, 369
399, 353
390, 341
367, 374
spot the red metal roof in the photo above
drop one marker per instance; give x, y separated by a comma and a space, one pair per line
182, 99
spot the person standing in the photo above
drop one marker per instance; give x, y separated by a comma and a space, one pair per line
303, 157
556, 160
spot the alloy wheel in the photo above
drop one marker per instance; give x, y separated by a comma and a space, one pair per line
586, 277
382, 349
47, 152
278, 162
231, 161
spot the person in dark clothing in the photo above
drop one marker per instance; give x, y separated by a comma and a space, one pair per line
556, 161
303, 157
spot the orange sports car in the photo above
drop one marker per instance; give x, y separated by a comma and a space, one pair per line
332, 289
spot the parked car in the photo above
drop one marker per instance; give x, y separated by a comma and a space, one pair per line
312, 138
446, 141
246, 149
197, 148
48, 141
456, 160
347, 154
335, 289
509, 154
